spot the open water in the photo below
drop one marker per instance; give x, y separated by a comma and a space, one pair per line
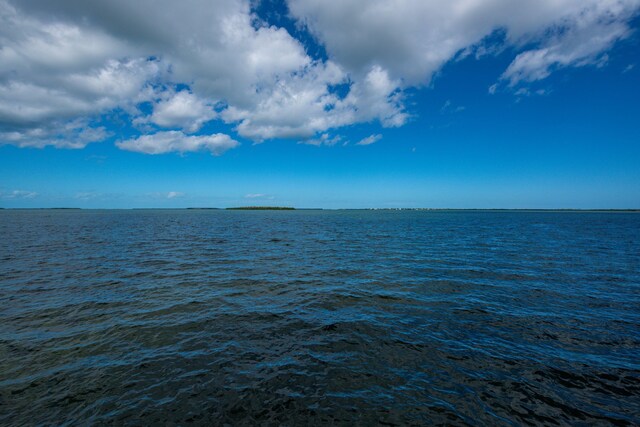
319, 317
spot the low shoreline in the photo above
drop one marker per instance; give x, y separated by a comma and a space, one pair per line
286, 208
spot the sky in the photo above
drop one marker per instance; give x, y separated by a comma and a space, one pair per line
314, 103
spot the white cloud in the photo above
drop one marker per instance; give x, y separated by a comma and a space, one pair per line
379, 97
56, 75
259, 196
182, 110
48, 71
72, 134
64, 65
166, 195
19, 194
87, 195
581, 41
412, 39
323, 139
449, 108
176, 141
369, 140
174, 194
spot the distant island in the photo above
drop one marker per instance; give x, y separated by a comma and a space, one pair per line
262, 208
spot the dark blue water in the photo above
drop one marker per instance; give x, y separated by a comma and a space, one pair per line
319, 317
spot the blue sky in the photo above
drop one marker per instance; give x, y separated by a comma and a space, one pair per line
272, 103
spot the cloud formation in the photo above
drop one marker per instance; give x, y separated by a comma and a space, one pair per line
165, 142
169, 68
181, 110
258, 196
19, 194
412, 39
371, 139
174, 194
324, 139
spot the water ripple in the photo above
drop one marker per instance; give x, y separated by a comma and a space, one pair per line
319, 317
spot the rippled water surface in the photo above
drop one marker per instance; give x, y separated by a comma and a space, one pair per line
319, 317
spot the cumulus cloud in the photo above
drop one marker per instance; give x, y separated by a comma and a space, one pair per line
412, 39
182, 110
176, 141
74, 134
371, 139
56, 75
169, 67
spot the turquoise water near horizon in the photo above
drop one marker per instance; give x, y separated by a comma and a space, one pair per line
319, 317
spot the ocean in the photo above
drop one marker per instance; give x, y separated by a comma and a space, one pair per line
311, 317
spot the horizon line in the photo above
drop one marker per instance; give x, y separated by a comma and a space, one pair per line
288, 208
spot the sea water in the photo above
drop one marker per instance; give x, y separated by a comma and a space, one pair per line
319, 317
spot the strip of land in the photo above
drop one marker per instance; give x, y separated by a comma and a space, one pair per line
261, 208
